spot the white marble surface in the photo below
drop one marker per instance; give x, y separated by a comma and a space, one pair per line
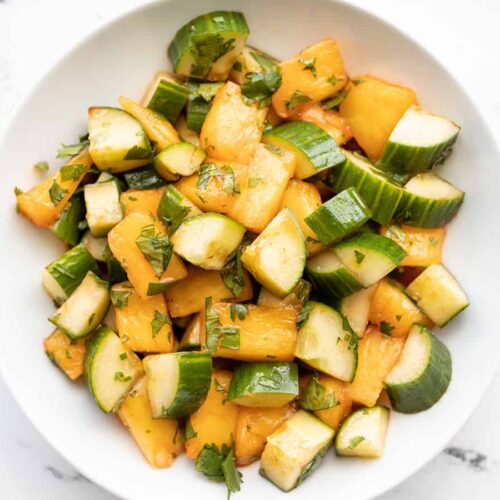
465, 35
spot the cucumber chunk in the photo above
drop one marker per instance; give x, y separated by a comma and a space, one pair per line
330, 277
422, 374
438, 294
277, 257
166, 95
326, 343
63, 275
179, 159
208, 240
178, 382
267, 385
97, 247
111, 369
356, 309
85, 309
363, 433
295, 449
314, 148
339, 217
380, 193
419, 141
117, 140
200, 100
369, 256
66, 227
207, 46
174, 208
104, 210
428, 201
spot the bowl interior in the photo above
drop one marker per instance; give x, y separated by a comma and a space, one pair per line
120, 60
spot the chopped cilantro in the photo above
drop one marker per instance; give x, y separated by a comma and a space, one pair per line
206, 50
230, 337
224, 174
72, 172
18, 191
355, 441
160, 319
316, 397
309, 65
121, 377
360, 256
254, 181
156, 248
189, 432
119, 298
70, 150
123, 356
232, 273
304, 312
336, 100
41, 166
297, 98
357, 82
56, 193
386, 328
238, 310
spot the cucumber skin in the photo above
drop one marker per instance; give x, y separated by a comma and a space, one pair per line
339, 217
66, 227
422, 393
246, 379
204, 26
313, 142
415, 210
404, 160
168, 99
187, 400
77, 262
371, 241
382, 199
143, 178
198, 106
335, 285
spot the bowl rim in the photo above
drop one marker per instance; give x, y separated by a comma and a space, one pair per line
478, 103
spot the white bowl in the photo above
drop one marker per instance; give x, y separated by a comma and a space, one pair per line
120, 60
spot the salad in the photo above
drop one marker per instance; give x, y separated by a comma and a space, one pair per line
253, 266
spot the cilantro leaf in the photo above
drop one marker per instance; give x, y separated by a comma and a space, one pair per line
56, 193
156, 248
224, 174
336, 101
212, 325
119, 298
261, 85
160, 319
309, 65
315, 396
70, 150
360, 256
238, 310
232, 273
206, 50
386, 328
355, 441
304, 312
189, 432
230, 337
297, 98
172, 214
254, 181
41, 166
121, 377
219, 465
72, 172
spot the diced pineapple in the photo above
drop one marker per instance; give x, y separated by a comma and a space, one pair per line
232, 128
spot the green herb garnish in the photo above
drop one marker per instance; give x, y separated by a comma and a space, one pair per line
57, 193
160, 319
119, 298
156, 248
